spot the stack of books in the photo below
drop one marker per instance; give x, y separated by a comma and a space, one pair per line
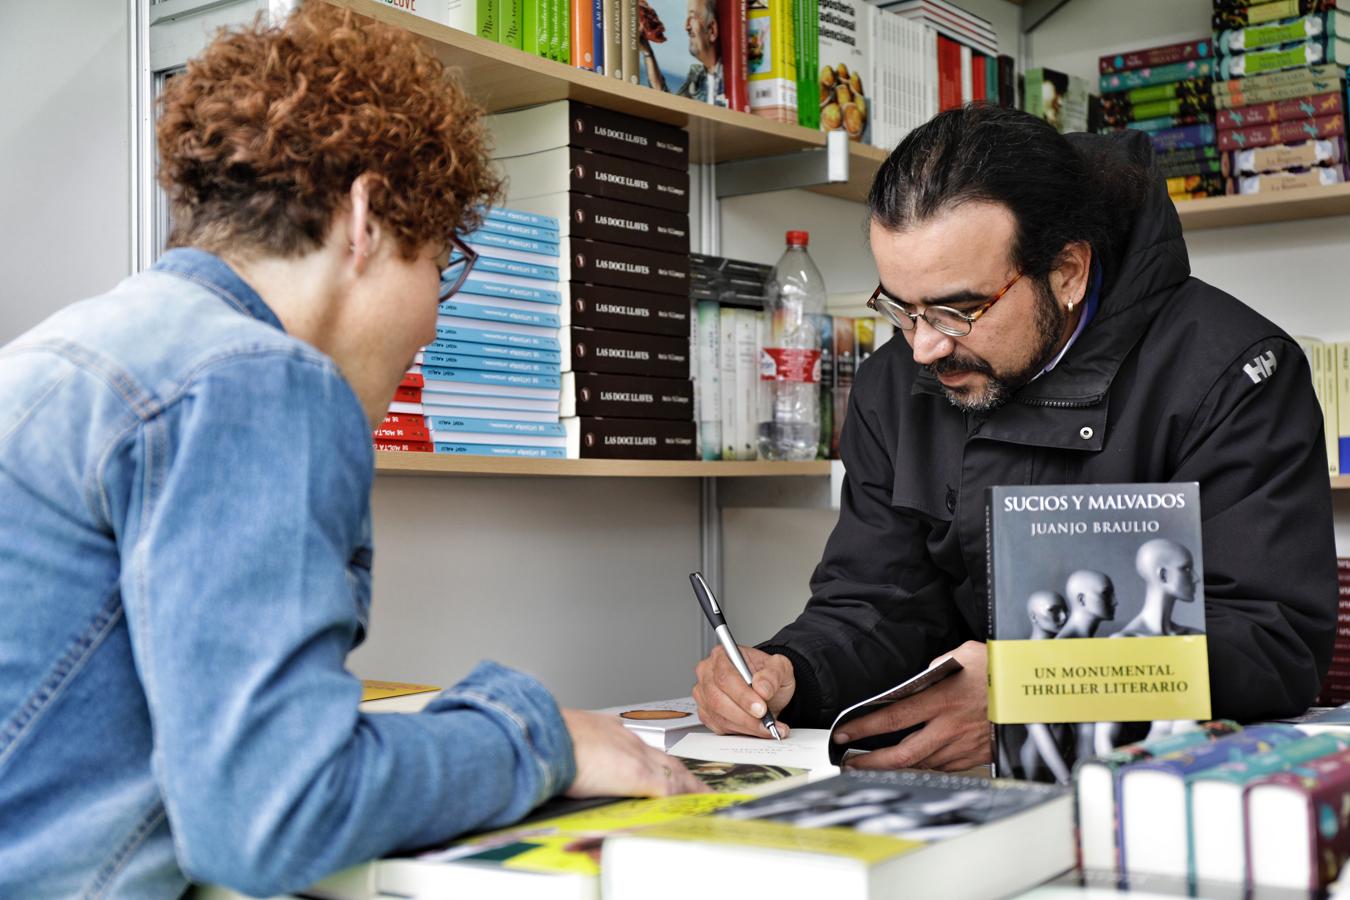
1221, 808
489, 384
619, 188
728, 296
966, 58
1167, 92
1280, 91
1336, 686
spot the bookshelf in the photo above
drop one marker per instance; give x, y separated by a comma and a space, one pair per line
396, 462
502, 77
1258, 209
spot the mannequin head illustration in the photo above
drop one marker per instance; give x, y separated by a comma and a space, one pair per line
1167, 565
1048, 613
1092, 600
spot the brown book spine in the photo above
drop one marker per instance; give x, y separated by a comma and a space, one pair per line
622, 309
606, 131
596, 262
1282, 132
1281, 111
632, 224
629, 396
603, 438
629, 180
628, 353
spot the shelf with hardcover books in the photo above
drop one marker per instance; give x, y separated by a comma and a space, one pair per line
501, 78
397, 463
1256, 209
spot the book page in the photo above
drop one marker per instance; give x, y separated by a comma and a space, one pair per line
804, 748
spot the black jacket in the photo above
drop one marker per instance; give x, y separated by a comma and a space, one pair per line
1153, 390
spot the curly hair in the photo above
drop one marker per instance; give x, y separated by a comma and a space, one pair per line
262, 136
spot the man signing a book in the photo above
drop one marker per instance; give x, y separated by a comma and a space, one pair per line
1052, 335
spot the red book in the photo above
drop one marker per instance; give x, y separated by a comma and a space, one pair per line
1298, 824
408, 394
1281, 132
409, 446
731, 16
1154, 56
412, 379
949, 74
1299, 108
403, 434
403, 420
978, 85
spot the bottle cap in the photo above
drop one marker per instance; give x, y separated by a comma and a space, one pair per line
798, 238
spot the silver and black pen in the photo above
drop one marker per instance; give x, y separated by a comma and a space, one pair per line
719, 626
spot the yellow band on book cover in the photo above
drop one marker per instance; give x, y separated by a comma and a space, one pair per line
571, 843
383, 690
844, 842
1134, 679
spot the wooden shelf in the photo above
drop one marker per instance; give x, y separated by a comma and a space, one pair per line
396, 462
501, 78
1256, 209
1340, 482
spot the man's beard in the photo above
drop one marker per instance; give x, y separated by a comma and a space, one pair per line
1049, 318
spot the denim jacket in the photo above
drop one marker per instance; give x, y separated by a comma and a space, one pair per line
184, 565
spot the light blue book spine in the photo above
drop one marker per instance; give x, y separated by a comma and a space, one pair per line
500, 379
509, 242
502, 427
512, 267
452, 307
520, 217
486, 334
494, 351
496, 450
487, 364
486, 287
516, 229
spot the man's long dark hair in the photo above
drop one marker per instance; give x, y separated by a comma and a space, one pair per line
1057, 196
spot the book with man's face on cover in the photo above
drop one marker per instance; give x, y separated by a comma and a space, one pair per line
1119, 565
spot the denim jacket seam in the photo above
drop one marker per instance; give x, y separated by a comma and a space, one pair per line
132, 393
61, 674
108, 872
213, 287
545, 773
180, 390
38, 401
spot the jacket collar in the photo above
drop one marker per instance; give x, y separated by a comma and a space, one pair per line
214, 274
1066, 407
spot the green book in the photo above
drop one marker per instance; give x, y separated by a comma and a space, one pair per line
529, 27
1271, 79
1287, 91
1156, 93
509, 15
1255, 37
488, 23
564, 32
1215, 804
1309, 53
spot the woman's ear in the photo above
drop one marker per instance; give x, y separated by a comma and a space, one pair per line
363, 232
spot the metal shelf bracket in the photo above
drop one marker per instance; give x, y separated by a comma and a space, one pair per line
805, 168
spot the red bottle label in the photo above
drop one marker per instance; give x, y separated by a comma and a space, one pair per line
789, 364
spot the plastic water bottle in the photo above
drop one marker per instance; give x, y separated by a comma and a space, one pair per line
789, 426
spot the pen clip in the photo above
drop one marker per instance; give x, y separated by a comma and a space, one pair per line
706, 599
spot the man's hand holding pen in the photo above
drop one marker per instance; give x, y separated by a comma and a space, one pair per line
728, 705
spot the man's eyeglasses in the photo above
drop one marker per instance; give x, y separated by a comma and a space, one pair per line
943, 318
457, 268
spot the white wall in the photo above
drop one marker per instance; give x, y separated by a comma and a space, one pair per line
65, 185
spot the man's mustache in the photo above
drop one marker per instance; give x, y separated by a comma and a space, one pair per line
951, 364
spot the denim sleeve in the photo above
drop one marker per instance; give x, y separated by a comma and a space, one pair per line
245, 500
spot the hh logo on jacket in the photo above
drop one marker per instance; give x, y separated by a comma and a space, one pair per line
1261, 367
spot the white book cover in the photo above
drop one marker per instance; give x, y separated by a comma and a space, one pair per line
727, 372
660, 723
521, 132
708, 388
748, 342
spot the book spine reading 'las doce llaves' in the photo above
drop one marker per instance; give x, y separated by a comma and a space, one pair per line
1097, 621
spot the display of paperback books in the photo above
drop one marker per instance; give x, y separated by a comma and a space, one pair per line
489, 384
859, 834
1096, 620
703, 57
728, 297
